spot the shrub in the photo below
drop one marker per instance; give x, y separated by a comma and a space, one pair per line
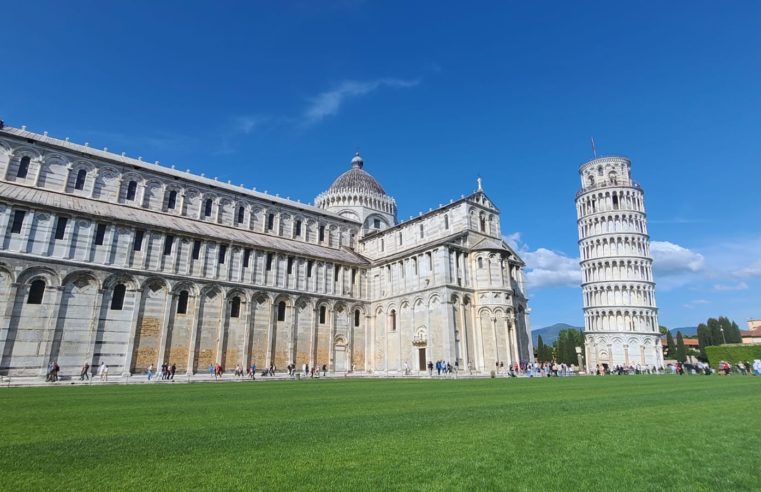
733, 353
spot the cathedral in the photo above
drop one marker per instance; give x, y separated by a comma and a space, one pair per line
109, 259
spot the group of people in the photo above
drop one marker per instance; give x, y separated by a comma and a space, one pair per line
441, 367
166, 374
744, 368
52, 375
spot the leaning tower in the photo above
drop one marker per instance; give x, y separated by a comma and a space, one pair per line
620, 314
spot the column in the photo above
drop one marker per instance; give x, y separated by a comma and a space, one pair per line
313, 335
221, 331
166, 318
94, 325
49, 334
292, 337
332, 345
7, 314
248, 317
272, 320
130, 352
195, 327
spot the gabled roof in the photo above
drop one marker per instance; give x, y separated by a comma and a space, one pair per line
491, 244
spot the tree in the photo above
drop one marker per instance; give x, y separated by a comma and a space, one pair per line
681, 350
704, 340
670, 346
540, 349
565, 345
663, 329
715, 328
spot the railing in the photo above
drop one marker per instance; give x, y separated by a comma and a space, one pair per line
631, 183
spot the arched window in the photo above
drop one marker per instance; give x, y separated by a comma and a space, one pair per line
182, 302
613, 178
235, 307
446, 222
356, 317
322, 314
599, 170
422, 231
36, 291
392, 320
483, 224
117, 299
592, 183
171, 202
615, 202
207, 208
241, 215
23, 167
480, 263
131, 190
79, 184
281, 311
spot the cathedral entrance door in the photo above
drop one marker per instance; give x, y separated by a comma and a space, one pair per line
421, 358
341, 365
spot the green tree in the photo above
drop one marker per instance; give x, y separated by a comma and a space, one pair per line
704, 340
715, 328
670, 346
565, 345
663, 329
681, 350
540, 349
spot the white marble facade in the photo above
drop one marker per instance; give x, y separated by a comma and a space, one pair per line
105, 258
618, 289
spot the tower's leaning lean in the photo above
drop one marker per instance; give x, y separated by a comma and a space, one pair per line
620, 313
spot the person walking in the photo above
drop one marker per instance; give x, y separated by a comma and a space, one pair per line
173, 370
104, 373
85, 373
150, 372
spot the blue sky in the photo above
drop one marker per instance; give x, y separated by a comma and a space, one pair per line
279, 95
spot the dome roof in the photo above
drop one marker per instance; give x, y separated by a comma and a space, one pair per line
356, 178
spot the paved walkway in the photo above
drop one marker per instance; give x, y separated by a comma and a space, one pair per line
11, 382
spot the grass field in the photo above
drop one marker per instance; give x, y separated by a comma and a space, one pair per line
594, 433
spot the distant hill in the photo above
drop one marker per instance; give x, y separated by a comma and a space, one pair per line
550, 333
687, 331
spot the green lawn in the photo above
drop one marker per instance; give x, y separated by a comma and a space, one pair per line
593, 433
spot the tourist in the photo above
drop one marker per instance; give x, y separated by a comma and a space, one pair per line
430, 368
173, 370
150, 372
85, 373
211, 369
49, 376
104, 372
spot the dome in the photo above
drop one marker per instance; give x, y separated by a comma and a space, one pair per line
356, 178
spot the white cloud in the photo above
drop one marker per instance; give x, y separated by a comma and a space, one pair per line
328, 103
752, 270
548, 268
672, 259
730, 287
544, 267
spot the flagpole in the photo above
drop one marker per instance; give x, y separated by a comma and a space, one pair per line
594, 149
